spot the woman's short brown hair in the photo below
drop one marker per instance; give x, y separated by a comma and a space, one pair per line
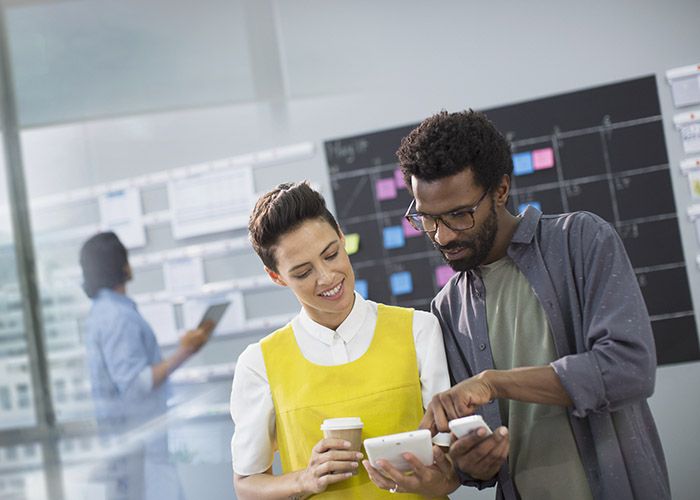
280, 211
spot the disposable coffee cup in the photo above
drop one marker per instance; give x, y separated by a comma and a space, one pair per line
443, 440
348, 428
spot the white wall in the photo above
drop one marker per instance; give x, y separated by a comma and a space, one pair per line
353, 67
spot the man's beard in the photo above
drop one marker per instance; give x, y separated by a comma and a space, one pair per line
480, 245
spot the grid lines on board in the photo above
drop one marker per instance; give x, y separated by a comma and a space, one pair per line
600, 150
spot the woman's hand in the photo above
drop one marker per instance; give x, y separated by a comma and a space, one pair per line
435, 480
331, 462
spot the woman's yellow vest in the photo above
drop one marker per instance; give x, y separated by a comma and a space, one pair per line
381, 387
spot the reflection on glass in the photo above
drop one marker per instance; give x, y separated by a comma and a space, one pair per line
64, 215
86, 140
21, 473
15, 384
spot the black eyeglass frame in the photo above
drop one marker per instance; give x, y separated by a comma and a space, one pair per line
413, 218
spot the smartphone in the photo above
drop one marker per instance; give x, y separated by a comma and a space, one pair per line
391, 447
463, 426
214, 313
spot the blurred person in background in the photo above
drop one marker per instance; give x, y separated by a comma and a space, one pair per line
129, 376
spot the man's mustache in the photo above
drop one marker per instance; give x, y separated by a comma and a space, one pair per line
453, 245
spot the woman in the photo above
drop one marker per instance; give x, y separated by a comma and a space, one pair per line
340, 356
127, 372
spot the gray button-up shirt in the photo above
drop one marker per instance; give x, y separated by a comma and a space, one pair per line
580, 273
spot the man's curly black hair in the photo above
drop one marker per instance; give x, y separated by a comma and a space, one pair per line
447, 143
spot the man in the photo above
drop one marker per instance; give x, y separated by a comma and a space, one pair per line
544, 325
340, 356
128, 374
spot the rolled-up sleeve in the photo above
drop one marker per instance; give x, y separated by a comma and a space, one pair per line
619, 364
252, 410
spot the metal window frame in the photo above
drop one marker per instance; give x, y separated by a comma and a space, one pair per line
45, 431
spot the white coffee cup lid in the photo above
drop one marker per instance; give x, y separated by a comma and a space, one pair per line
442, 439
332, 424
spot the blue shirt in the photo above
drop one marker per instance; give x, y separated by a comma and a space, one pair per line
121, 349
578, 269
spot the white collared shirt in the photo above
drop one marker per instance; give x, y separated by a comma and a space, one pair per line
253, 443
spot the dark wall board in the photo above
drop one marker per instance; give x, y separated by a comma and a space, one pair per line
600, 149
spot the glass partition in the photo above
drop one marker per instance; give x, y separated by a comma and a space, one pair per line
21, 472
115, 135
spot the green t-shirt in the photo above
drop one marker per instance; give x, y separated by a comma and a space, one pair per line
543, 460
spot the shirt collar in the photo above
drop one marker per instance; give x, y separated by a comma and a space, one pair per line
486, 269
347, 329
112, 296
527, 226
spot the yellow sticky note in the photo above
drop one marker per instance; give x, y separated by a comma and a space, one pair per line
352, 243
695, 183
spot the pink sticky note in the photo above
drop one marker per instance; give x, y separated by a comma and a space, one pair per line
385, 189
408, 230
398, 178
543, 158
443, 274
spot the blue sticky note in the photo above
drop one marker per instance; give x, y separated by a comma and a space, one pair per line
362, 287
522, 163
535, 204
401, 283
394, 237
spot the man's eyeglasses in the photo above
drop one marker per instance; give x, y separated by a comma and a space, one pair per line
459, 219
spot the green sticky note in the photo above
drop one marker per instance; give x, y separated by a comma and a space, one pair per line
352, 243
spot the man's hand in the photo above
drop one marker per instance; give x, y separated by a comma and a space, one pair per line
438, 479
459, 401
193, 340
479, 455
331, 462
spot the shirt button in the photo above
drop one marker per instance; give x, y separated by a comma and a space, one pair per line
482, 347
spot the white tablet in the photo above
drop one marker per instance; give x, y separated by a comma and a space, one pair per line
391, 447
463, 426
214, 313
